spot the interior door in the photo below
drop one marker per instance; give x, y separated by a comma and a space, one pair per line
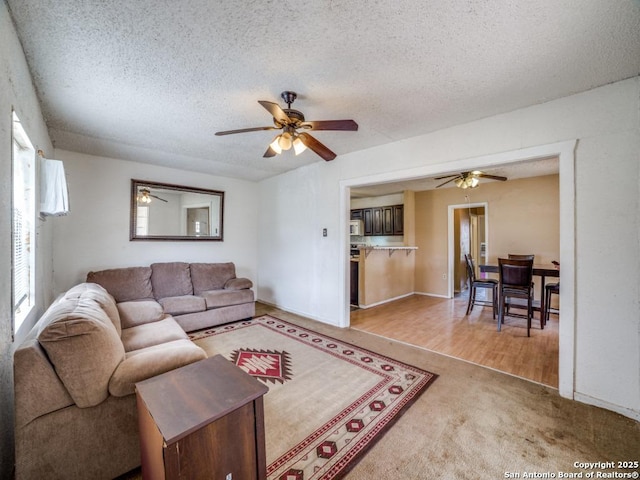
198, 221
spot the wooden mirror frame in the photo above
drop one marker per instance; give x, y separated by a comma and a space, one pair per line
157, 189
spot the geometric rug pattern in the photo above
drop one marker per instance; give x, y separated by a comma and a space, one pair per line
328, 401
265, 365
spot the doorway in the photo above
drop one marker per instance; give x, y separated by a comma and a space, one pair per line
198, 221
468, 233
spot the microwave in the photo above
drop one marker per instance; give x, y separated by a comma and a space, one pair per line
356, 227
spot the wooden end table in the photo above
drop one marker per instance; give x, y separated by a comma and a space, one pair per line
204, 420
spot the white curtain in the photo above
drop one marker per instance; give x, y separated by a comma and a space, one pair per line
54, 194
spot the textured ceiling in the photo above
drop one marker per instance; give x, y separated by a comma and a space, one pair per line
153, 80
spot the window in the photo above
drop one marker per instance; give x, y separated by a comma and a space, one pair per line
142, 222
23, 235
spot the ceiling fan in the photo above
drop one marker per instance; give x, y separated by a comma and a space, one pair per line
293, 126
468, 179
146, 195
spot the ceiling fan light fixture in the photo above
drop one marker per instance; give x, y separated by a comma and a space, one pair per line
145, 196
298, 146
468, 182
275, 145
285, 141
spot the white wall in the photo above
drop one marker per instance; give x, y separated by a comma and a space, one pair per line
95, 235
307, 276
16, 90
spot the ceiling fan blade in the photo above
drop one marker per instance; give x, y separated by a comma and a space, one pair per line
161, 199
494, 177
344, 125
446, 176
316, 146
244, 130
270, 152
275, 111
448, 181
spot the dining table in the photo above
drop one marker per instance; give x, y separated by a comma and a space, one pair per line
539, 270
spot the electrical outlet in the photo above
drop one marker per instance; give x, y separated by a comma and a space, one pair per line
324, 232
444, 276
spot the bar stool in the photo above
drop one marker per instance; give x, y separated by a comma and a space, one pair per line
550, 289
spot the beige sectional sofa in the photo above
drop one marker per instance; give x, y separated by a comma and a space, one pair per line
197, 295
75, 374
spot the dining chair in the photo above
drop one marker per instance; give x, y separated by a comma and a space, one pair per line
528, 256
517, 256
550, 289
474, 284
515, 282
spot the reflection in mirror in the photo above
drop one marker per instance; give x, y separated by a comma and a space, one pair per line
160, 211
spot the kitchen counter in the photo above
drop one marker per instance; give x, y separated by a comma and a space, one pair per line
383, 276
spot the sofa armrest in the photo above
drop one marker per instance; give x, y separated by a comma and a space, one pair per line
151, 361
238, 284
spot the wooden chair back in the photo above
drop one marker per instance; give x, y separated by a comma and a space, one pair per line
471, 271
515, 273
517, 256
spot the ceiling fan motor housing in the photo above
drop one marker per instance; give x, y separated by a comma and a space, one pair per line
294, 114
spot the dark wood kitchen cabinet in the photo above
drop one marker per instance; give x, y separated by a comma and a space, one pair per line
367, 216
387, 220
378, 221
398, 220
354, 283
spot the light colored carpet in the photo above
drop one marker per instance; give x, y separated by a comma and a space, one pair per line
476, 423
328, 404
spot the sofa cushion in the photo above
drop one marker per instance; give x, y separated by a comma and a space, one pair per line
138, 312
182, 304
150, 334
211, 276
238, 284
222, 298
83, 346
124, 284
101, 297
171, 279
151, 361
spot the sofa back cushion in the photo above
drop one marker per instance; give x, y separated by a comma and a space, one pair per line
211, 276
131, 283
139, 312
84, 347
101, 297
171, 279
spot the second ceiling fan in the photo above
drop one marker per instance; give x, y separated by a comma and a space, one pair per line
294, 129
468, 179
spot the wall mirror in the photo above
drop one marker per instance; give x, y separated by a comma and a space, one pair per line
161, 211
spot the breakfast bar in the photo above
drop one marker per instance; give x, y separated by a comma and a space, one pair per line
385, 274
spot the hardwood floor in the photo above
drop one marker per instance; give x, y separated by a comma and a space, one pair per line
440, 325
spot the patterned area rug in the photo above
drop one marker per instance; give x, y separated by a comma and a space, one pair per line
328, 401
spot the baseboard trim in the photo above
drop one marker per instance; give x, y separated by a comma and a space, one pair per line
627, 412
437, 295
364, 307
299, 312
